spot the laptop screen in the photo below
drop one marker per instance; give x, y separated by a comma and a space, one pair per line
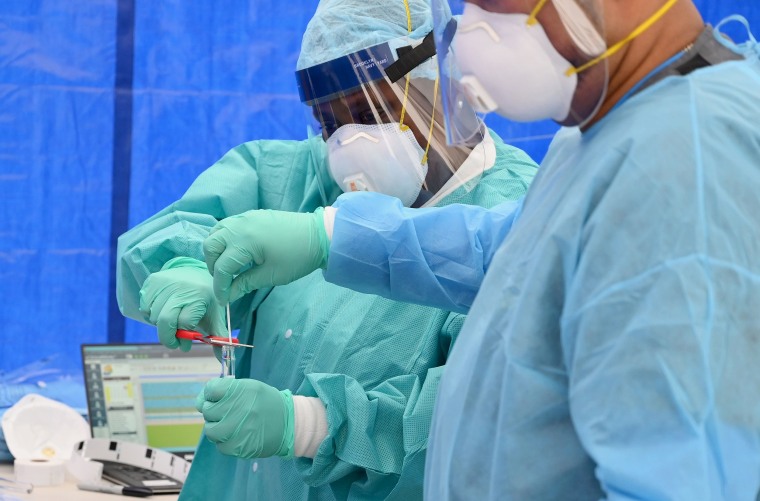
145, 393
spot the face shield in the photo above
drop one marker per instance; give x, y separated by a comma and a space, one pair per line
380, 114
548, 62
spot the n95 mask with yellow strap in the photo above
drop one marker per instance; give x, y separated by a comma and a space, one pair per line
509, 65
380, 157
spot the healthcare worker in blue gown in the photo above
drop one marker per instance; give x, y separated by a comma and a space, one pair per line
335, 400
612, 348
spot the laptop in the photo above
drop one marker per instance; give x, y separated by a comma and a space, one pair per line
145, 393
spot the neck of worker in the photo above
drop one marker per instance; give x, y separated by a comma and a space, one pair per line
673, 33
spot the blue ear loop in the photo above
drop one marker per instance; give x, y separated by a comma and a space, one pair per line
742, 48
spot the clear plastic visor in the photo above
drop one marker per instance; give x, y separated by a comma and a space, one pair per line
387, 136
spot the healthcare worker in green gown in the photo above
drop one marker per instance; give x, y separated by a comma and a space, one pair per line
336, 398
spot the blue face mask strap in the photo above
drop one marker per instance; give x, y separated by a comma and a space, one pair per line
750, 44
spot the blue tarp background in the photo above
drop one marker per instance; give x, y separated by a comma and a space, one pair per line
108, 110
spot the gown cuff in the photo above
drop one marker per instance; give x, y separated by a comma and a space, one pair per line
328, 218
310, 425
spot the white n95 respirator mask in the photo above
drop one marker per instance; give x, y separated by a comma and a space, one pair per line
40, 428
511, 67
380, 157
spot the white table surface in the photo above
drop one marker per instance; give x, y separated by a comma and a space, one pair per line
68, 491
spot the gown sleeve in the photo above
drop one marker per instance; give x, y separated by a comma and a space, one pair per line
433, 257
380, 432
283, 175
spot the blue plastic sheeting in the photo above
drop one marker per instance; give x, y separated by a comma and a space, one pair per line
56, 123
108, 110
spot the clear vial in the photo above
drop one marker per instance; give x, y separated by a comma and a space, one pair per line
228, 361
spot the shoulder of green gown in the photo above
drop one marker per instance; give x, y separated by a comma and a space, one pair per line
507, 179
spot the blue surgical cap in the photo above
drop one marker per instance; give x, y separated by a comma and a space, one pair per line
342, 27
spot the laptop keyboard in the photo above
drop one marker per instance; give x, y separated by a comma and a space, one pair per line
125, 474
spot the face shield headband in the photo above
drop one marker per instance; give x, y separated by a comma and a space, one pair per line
343, 75
376, 109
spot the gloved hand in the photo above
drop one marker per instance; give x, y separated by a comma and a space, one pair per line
263, 248
181, 296
247, 418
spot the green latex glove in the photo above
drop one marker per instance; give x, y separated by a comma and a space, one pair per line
247, 418
181, 296
263, 248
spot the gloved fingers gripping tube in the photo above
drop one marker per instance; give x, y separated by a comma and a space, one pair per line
264, 248
384, 128
247, 418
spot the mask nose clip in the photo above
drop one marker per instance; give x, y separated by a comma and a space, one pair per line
357, 136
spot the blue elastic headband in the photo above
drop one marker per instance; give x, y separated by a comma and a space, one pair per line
339, 76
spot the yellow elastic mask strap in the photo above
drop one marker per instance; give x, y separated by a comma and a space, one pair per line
401, 124
534, 13
635, 33
432, 122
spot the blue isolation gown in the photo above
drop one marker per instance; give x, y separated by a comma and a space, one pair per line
613, 348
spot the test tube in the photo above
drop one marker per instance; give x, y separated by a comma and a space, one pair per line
228, 352
228, 361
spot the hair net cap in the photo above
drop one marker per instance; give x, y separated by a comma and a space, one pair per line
342, 27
